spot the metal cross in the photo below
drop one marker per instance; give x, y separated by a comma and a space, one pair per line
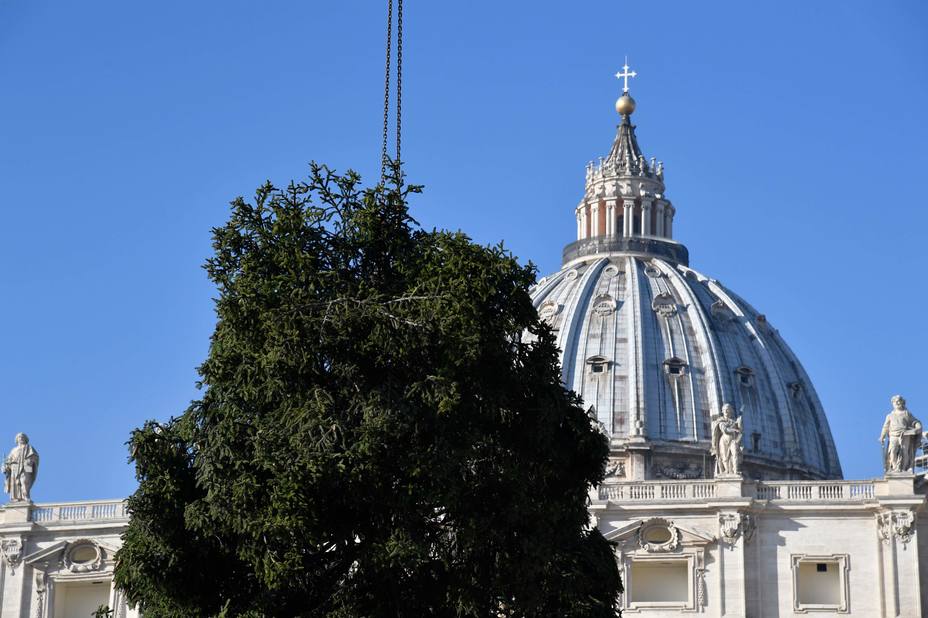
624, 75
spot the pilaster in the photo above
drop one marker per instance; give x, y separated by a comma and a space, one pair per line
610, 217
628, 219
646, 216
659, 204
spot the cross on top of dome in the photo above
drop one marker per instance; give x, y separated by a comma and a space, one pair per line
625, 104
624, 75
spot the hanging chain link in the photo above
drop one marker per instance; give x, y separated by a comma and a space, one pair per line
384, 158
386, 92
399, 74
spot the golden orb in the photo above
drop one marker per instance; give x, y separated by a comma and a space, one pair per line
625, 105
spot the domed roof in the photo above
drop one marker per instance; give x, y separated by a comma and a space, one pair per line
656, 348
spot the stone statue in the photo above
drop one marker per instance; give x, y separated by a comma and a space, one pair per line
903, 431
726, 442
20, 468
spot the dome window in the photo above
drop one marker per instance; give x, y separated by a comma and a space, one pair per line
664, 304
721, 311
603, 305
548, 311
675, 367
597, 364
745, 376
795, 389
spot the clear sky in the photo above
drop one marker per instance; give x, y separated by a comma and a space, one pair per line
793, 135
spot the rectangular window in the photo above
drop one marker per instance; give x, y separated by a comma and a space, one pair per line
820, 583
80, 599
661, 582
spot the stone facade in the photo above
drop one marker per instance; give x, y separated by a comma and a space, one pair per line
757, 548
58, 559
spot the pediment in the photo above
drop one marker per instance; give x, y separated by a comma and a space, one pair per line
52, 553
665, 535
82, 555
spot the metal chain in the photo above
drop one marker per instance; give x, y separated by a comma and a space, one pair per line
386, 93
399, 74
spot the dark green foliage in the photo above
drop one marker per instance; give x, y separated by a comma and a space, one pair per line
375, 438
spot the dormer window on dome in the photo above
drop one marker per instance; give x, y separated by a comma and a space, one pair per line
745, 376
675, 367
597, 364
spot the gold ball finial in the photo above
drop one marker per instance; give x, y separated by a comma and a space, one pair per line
625, 105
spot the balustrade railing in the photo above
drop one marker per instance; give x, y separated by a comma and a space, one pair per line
657, 490
814, 491
79, 511
775, 491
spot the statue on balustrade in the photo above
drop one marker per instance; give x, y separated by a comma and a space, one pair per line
727, 433
903, 432
20, 468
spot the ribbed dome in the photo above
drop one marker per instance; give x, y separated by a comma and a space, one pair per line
657, 348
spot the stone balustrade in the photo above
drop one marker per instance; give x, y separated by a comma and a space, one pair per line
63, 512
814, 491
645, 491
773, 491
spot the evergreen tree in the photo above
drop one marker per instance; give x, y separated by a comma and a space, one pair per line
382, 430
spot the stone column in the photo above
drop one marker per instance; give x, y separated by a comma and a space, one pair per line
668, 223
645, 216
579, 224
628, 214
660, 218
594, 213
610, 211
583, 221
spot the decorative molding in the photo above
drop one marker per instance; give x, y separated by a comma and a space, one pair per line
615, 468
664, 305
658, 525
548, 311
701, 587
604, 305
12, 549
680, 470
733, 526
898, 524
82, 566
40, 589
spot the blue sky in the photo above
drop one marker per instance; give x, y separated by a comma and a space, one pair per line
793, 137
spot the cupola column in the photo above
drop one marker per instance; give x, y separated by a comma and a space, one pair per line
659, 218
584, 223
645, 216
610, 217
668, 222
628, 216
579, 224
594, 228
